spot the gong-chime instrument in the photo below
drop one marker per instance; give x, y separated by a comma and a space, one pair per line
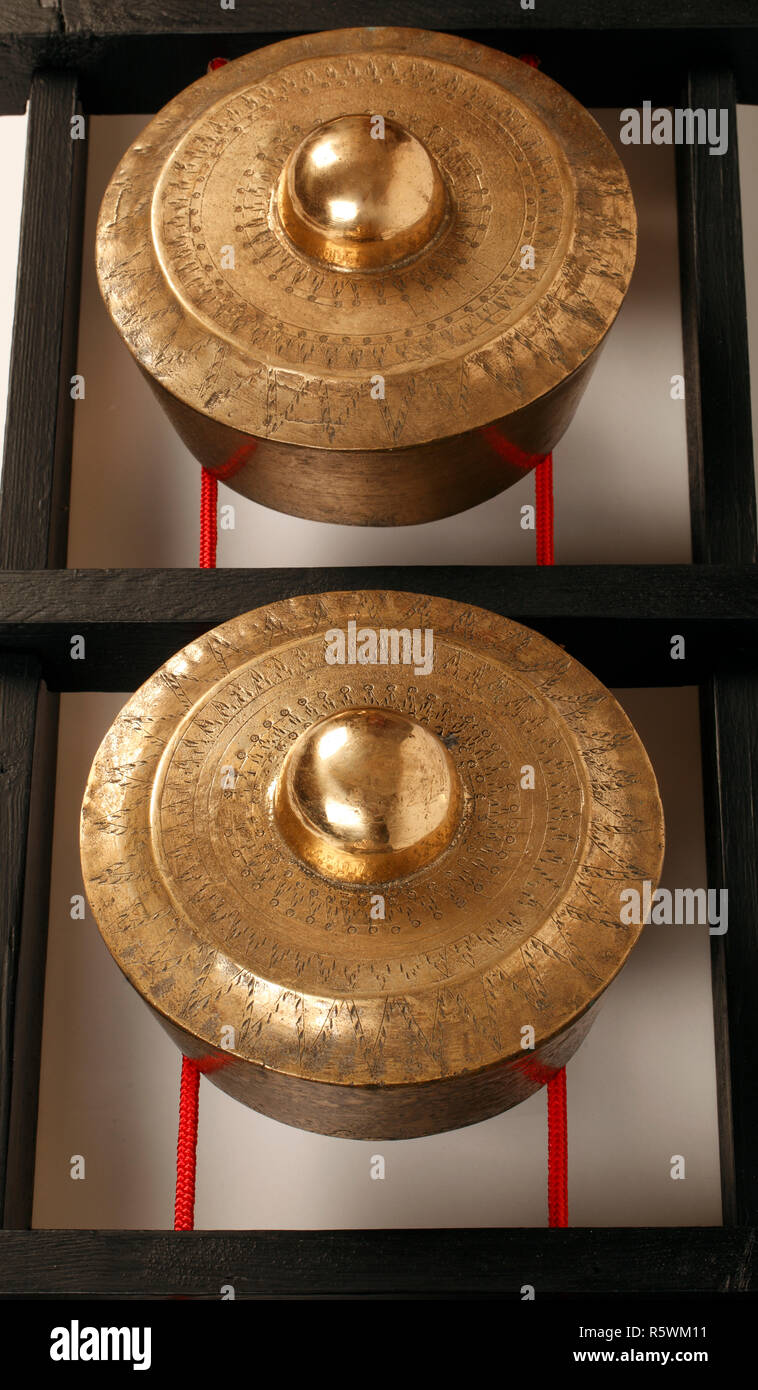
367, 272
363, 854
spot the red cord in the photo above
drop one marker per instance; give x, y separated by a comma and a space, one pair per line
557, 1125
208, 504
557, 1151
543, 490
186, 1148
512, 454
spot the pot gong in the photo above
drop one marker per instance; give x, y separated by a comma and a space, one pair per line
367, 272
371, 900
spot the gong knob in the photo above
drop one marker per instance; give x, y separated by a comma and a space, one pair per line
361, 193
367, 795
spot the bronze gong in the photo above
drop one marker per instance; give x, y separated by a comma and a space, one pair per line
363, 855
367, 272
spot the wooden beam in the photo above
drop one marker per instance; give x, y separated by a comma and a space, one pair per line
372, 1264
617, 619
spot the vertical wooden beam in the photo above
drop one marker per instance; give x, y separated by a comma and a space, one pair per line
19, 686
723, 511
33, 534
39, 422
714, 325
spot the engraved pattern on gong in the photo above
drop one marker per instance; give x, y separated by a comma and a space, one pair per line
216, 192
173, 959
515, 855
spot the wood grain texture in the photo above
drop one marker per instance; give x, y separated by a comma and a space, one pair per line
206, 16
714, 593
133, 55
34, 499
723, 513
19, 686
600, 67
29, 37
23, 17
616, 620
33, 522
729, 730
714, 320
27, 1037
373, 1264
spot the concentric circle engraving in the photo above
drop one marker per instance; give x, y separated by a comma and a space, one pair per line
247, 327
220, 922
502, 169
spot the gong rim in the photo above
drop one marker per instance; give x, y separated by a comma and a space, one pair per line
467, 368
142, 899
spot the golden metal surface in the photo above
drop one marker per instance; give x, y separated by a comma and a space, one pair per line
367, 796
359, 200
357, 374
371, 1005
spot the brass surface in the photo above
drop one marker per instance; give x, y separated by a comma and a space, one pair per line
388, 1001
273, 332
359, 201
367, 796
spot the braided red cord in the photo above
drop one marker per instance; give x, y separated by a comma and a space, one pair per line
186, 1148
208, 503
543, 489
557, 1123
557, 1151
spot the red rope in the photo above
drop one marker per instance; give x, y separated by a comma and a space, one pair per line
557, 1151
557, 1123
512, 454
543, 490
186, 1147
208, 504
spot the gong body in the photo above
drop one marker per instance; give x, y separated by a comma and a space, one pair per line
368, 272
363, 855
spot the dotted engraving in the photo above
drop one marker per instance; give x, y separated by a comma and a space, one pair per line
219, 306
214, 918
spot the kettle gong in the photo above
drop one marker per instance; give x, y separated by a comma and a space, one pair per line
334, 883
367, 272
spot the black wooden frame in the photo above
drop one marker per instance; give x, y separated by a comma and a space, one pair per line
133, 56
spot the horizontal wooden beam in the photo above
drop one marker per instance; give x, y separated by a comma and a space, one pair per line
406, 1263
715, 593
207, 16
134, 55
617, 619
